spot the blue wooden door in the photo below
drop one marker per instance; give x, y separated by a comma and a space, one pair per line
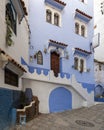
60, 100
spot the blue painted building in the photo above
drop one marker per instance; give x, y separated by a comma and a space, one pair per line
60, 69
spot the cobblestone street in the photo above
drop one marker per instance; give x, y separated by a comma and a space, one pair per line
80, 119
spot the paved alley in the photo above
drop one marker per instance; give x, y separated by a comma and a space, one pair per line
80, 119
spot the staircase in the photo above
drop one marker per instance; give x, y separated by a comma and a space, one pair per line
88, 97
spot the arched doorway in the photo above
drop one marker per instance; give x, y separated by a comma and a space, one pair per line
99, 90
60, 100
55, 63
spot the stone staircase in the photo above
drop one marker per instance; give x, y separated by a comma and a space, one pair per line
89, 97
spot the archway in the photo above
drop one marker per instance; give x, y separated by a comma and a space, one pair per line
60, 100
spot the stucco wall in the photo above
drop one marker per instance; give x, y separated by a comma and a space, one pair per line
98, 22
42, 90
41, 32
99, 74
21, 42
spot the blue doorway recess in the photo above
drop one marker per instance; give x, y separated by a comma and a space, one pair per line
60, 99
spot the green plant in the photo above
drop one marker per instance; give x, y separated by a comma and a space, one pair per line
9, 34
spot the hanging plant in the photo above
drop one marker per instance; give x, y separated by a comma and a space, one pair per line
9, 33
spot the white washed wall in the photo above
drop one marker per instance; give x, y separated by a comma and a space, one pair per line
21, 42
43, 89
99, 22
43, 85
99, 75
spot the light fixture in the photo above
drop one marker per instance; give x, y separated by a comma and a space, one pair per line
31, 58
66, 54
45, 49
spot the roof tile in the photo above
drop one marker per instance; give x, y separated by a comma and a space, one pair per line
60, 2
59, 43
81, 12
12, 60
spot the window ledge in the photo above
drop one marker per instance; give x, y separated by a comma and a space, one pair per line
56, 3
82, 15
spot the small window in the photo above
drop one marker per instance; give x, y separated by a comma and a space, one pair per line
77, 28
48, 16
76, 63
39, 58
80, 28
11, 78
11, 16
53, 16
82, 1
56, 19
100, 67
83, 30
81, 65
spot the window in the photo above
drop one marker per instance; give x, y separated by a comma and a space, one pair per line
80, 28
11, 16
100, 67
82, 1
53, 16
76, 63
11, 78
77, 28
83, 30
81, 65
48, 16
39, 58
56, 19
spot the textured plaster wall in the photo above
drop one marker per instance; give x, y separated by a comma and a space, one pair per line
41, 32
21, 42
43, 89
99, 23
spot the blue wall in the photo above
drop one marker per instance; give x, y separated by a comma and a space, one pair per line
41, 32
8, 100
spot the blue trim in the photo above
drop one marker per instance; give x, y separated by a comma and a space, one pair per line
99, 99
45, 71
77, 52
55, 4
56, 45
23, 61
60, 99
63, 75
31, 69
82, 17
38, 70
90, 87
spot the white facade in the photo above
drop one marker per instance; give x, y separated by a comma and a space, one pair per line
21, 41
42, 86
99, 72
99, 27
99, 50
